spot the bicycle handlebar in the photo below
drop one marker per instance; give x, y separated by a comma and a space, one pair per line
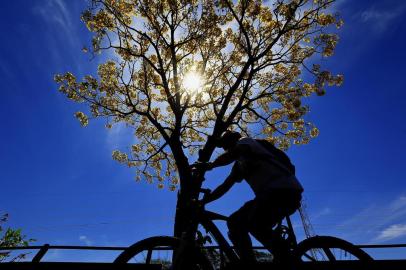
205, 191
201, 165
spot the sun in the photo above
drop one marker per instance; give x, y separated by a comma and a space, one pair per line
193, 82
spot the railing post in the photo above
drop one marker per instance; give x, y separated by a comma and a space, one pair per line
149, 256
41, 253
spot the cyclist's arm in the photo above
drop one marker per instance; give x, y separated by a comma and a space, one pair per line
230, 156
235, 176
220, 190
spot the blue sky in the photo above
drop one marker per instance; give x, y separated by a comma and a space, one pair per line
60, 185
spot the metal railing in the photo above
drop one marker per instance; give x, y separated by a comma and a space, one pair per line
42, 250
36, 262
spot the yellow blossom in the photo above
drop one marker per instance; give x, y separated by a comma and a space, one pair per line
82, 118
314, 132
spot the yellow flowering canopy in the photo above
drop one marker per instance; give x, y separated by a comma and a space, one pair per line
186, 70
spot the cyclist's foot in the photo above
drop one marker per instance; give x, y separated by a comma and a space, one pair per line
242, 265
284, 259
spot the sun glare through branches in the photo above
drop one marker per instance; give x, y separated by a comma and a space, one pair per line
193, 82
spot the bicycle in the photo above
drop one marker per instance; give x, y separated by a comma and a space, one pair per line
316, 248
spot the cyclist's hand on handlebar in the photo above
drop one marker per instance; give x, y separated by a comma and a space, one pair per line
201, 202
206, 196
206, 166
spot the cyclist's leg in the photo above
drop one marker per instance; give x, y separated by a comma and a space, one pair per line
265, 217
238, 225
270, 212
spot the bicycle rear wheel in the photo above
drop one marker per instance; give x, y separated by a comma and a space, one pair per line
328, 248
159, 250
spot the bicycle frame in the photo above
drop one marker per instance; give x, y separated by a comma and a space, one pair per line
206, 221
207, 218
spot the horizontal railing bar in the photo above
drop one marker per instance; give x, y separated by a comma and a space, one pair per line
163, 248
382, 246
77, 266
66, 247
338, 265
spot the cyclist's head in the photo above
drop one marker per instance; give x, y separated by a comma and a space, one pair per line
228, 139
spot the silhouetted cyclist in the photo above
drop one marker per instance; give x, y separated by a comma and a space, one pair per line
271, 176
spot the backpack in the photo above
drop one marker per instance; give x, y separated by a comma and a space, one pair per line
280, 158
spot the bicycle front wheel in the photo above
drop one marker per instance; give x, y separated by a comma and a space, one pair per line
160, 250
328, 248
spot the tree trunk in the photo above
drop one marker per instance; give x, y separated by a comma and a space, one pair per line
189, 192
184, 220
186, 224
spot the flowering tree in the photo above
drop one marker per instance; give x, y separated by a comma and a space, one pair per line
185, 71
11, 238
